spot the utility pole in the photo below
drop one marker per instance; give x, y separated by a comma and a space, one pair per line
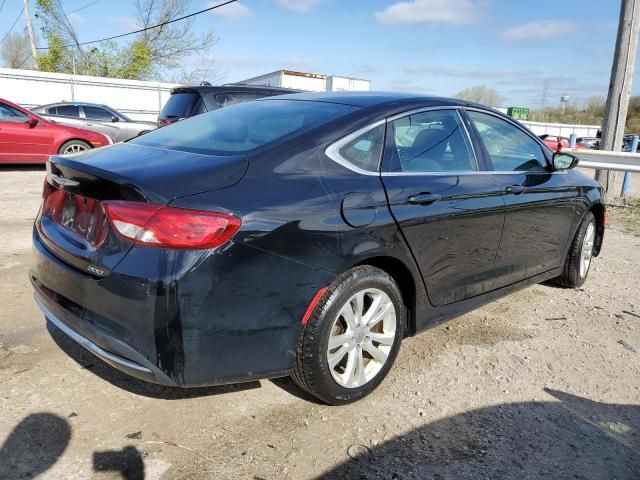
624, 58
543, 99
32, 37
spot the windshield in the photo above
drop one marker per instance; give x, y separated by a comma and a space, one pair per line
244, 127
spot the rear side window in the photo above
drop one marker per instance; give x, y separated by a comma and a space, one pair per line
181, 105
97, 113
68, 110
510, 148
365, 150
431, 141
244, 127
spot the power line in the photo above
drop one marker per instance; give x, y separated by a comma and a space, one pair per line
147, 28
84, 6
12, 25
2, 5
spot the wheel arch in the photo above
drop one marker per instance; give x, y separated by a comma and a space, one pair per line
407, 283
600, 213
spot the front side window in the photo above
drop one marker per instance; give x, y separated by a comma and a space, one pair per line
510, 148
68, 110
244, 127
97, 113
10, 114
431, 141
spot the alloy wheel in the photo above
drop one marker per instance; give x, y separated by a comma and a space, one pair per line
587, 249
75, 148
361, 338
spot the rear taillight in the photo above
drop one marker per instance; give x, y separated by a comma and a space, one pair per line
170, 227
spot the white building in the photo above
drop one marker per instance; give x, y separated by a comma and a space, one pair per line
313, 82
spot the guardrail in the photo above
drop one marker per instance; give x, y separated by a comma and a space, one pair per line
605, 160
626, 162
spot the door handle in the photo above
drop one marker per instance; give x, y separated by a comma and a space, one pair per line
424, 198
515, 189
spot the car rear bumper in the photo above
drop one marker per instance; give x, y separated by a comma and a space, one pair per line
182, 318
55, 314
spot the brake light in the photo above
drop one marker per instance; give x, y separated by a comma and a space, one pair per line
169, 227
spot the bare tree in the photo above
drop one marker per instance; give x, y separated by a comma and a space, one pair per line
16, 51
170, 45
481, 94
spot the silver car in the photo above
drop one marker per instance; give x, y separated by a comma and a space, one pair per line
91, 116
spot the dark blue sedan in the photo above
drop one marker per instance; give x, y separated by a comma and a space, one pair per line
303, 235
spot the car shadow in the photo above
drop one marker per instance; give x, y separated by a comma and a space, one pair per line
34, 445
573, 437
121, 380
22, 168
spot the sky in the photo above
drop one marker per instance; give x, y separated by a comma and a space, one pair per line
435, 46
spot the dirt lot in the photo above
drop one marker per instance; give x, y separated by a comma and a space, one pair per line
542, 384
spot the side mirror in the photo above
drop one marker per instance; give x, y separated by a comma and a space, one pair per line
115, 119
32, 121
564, 161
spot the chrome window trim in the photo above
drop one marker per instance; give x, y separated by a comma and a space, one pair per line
454, 173
333, 150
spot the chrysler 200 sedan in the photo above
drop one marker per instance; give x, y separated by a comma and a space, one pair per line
303, 235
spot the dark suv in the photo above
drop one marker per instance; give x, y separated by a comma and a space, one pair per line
187, 102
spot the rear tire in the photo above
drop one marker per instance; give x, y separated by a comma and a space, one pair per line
578, 261
362, 314
74, 146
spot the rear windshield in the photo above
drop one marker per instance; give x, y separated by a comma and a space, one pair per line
244, 127
180, 105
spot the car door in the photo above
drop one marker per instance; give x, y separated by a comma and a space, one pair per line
449, 210
540, 204
101, 120
21, 142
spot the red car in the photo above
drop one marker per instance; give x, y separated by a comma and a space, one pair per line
554, 142
25, 137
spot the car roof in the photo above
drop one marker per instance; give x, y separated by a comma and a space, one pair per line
231, 87
83, 104
372, 98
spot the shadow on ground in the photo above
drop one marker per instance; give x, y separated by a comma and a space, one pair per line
570, 438
121, 380
34, 446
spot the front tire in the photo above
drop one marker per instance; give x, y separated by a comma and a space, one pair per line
352, 337
74, 146
578, 261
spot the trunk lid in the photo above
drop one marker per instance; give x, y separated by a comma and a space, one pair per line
72, 222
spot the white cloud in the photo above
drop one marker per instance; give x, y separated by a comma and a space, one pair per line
75, 19
468, 73
126, 23
232, 12
448, 12
298, 5
404, 86
539, 30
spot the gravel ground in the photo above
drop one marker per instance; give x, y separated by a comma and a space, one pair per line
542, 384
